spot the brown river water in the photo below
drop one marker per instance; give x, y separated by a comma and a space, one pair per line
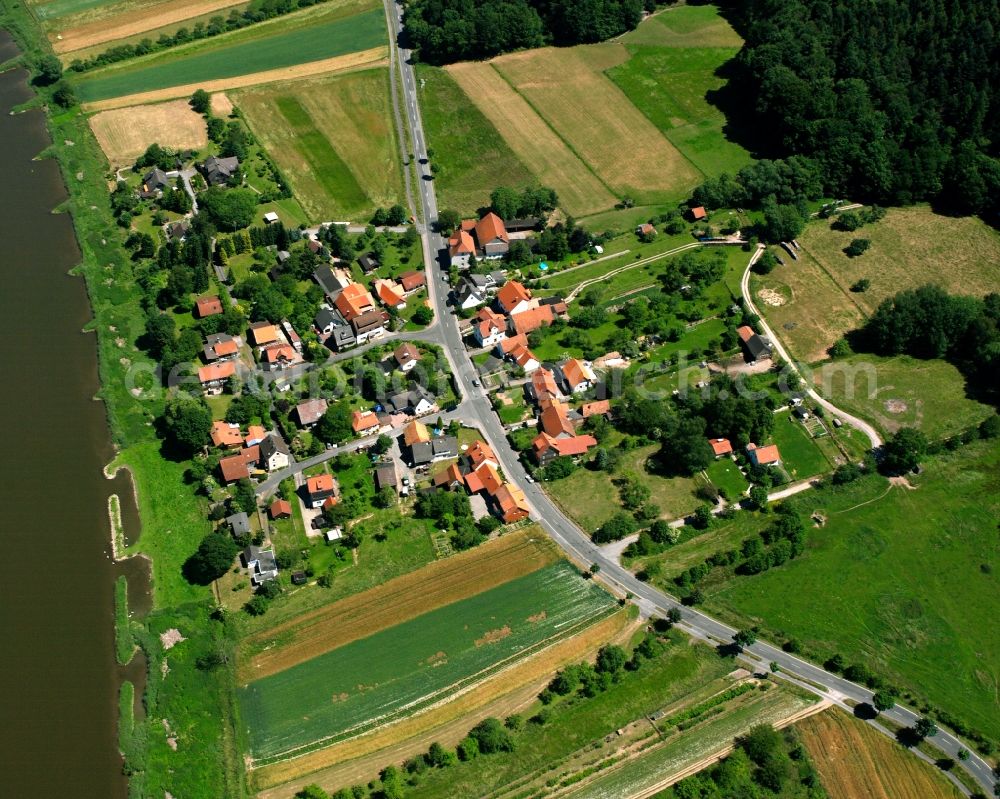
59, 679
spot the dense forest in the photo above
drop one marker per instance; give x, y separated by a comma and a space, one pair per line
892, 101
443, 31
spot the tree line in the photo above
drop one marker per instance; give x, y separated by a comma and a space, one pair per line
892, 101
444, 31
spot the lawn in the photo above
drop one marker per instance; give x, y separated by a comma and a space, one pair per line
334, 139
901, 580
590, 497
174, 521
727, 477
800, 455
902, 392
285, 42
853, 759
356, 687
471, 157
60, 8
671, 678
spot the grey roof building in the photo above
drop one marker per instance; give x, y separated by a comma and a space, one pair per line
436, 449
260, 563
218, 171
239, 523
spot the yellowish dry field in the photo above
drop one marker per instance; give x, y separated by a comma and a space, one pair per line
376, 56
222, 106
531, 139
507, 691
436, 585
125, 133
855, 761
109, 23
597, 120
911, 247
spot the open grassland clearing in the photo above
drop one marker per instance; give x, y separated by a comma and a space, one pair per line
470, 154
902, 392
60, 8
686, 26
436, 585
813, 311
909, 248
662, 765
598, 121
800, 454
334, 140
904, 581
854, 760
97, 28
356, 687
318, 33
512, 690
125, 133
531, 139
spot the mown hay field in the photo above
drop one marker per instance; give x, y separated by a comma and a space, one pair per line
471, 156
854, 760
415, 664
95, 29
319, 33
401, 599
333, 139
125, 133
686, 26
598, 121
531, 139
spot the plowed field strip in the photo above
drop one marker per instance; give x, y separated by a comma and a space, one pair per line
399, 600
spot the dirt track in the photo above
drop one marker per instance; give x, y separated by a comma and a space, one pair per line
133, 22
376, 56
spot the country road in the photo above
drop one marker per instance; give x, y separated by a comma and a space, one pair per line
475, 409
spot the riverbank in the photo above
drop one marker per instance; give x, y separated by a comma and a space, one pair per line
198, 757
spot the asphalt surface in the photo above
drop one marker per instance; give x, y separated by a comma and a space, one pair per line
475, 408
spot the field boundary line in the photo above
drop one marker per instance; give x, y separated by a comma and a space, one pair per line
555, 132
349, 62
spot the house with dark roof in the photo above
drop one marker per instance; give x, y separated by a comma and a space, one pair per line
438, 448
220, 347
370, 324
219, 171
274, 453
310, 411
153, 183
385, 476
415, 401
327, 280
407, 356
755, 347
326, 320
467, 296
368, 262
412, 281
260, 563
239, 523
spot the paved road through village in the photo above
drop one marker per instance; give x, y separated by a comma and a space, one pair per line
475, 408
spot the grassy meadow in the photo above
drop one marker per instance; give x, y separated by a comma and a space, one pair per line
358, 685
317, 33
334, 140
594, 122
900, 579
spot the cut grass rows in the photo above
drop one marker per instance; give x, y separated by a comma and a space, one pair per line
271, 48
398, 600
397, 671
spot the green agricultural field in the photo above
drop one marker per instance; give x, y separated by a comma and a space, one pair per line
283, 43
800, 455
60, 8
334, 140
902, 392
471, 157
389, 674
904, 581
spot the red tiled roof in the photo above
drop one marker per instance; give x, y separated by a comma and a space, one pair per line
698, 212
280, 509
226, 348
278, 352
490, 228
412, 280
461, 243
553, 420
405, 353
488, 321
415, 432
544, 382
532, 319
390, 292
319, 484
448, 476
480, 452
473, 482
596, 408
511, 342
310, 411
645, 229
766, 454
353, 301
575, 372
721, 446
511, 293
363, 420
574, 445
512, 503
208, 306
226, 435
216, 371
234, 468
745, 333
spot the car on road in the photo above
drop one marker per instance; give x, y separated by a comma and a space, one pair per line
475, 383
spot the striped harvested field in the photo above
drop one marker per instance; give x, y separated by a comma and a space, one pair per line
531, 139
856, 761
598, 121
125, 133
438, 584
